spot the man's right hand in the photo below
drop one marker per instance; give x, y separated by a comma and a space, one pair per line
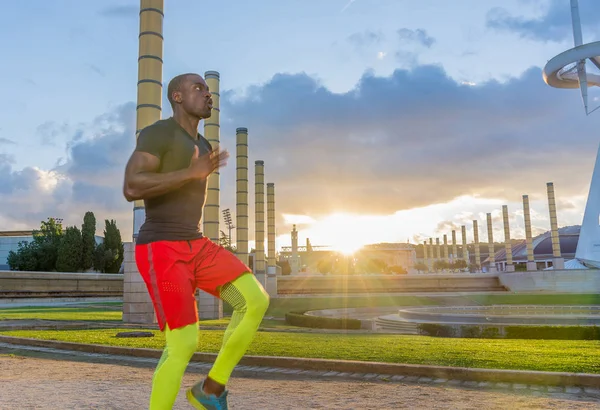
201, 166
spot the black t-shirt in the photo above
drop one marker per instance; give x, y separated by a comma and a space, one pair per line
175, 215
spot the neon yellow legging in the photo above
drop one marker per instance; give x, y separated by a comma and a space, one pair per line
249, 301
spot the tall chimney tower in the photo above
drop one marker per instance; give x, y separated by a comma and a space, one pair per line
294, 262
431, 258
454, 248
137, 306
259, 207
445, 248
476, 240
508, 245
491, 244
241, 135
465, 249
425, 258
437, 249
213, 135
558, 262
210, 307
271, 265
531, 264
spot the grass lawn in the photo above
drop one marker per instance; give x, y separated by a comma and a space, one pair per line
280, 306
546, 355
102, 314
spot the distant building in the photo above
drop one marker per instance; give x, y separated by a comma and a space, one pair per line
9, 241
393, 254
542, 249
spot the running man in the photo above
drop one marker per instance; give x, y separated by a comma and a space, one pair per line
169, 169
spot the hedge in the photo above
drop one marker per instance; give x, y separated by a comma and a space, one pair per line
512, 332
302, 320
553, 332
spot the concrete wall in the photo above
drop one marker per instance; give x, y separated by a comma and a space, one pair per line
561, 281
355, 284
14, 284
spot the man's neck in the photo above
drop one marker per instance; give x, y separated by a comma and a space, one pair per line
188, 123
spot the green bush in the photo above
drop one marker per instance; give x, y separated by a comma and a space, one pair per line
470, 331
433, 329
302, 320
553, 332
490, 333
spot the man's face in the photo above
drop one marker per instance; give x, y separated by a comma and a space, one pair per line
196, 98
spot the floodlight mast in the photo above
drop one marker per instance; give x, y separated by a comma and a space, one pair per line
577, 37
578, 40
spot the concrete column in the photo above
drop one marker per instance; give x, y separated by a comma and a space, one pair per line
465, 249
491, 244
431, 258
295, 260
241, 232
454, 248
445, 248
210, 307
259, 208
137, 306
272, 264
531, 265
437, 249
425, 259
557, 261
509, 260
476, 240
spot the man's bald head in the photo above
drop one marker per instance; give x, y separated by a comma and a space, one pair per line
176, 84
189, 93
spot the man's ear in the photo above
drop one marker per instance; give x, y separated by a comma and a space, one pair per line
177, 96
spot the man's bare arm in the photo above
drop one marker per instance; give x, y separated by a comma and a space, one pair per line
142, 181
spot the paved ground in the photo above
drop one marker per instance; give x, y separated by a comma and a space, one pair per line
38, 378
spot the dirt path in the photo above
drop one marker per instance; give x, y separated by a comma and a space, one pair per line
28, 382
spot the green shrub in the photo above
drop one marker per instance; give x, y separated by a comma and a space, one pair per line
302, 320
490, 333
470, 331
433, 329
553, 332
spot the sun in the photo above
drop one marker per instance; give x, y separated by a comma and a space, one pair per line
346, 246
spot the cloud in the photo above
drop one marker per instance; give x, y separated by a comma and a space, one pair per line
418, 36
554, 23
6, 141
120, 11
50, 131
412, 139
90, 178
365, 38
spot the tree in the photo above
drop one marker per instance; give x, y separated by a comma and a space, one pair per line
421, 267
225, 242
70, 251
25, 258
46, 242
325, 265
113, 247
398, 270
88, 235
459, 264
286, 269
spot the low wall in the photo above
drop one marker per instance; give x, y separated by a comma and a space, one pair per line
354, 284
20, 284
559, 281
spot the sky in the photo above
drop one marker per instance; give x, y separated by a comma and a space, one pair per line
378, 120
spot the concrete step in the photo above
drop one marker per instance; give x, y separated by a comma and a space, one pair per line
397, 325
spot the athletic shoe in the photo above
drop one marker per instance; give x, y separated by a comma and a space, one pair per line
202, 401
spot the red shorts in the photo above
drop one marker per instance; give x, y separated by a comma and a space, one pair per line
173, 270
